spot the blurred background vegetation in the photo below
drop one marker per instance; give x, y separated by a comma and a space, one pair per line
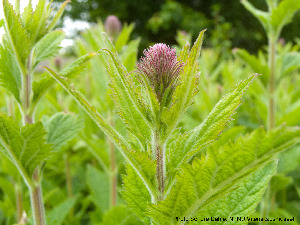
229, 24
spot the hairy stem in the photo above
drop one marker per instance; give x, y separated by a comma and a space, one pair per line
36, 198
160, 170
113, 172
35, 189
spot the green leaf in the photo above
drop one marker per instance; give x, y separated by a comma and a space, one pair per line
57, 16
58, 214
98, 184
72, 70
38, 22
48, 46
1, 23
25, 146
125, 217
186, 91
16, 34
227, 181
121, 144
135, 194
262, 16
125, 98
283, 14
191, 142
61, 128
124, 37
256, 65
290, 62
10, 77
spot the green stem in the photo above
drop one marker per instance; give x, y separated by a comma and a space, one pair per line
36, 198
113, 171
19, 199
160, 167
272, 81
69, 184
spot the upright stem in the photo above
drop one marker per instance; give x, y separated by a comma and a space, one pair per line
266, 200
159, 166
113, 173
36, 198
35, 189
272, 81
69, 185
19, 200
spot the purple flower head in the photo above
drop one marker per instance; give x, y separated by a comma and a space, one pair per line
161, 68
112, 25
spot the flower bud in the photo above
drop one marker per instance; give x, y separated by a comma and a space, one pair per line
112, 26
161, 68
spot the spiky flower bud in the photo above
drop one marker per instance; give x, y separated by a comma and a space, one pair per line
161, 68
112, 26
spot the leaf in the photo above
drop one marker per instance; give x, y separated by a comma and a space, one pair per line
125, 217
283, 14
124, 37
61, 128
57, 16
48, 46
185, 92
98, 184
10, 76
290, 62
262, 16
256, 65
37, 24
16, 34
58, 214
25, 146
72, 70
228, 181
121, 144
125, 97
191, 142
135, 194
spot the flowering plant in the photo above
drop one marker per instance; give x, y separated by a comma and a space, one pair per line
174, 177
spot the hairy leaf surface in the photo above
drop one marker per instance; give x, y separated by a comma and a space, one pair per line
48, 46
125, 97
191, 142
208, 180
25, 146
62, 128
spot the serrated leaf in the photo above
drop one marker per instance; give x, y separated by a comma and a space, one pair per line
10, 76
98, 184
135, 193
37, 24
224, 172
61, 128
191, 142
16, 33
121, 144
25, 146
48, 46
58, 214
125, 97
125, 217
185, 92
283, 14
